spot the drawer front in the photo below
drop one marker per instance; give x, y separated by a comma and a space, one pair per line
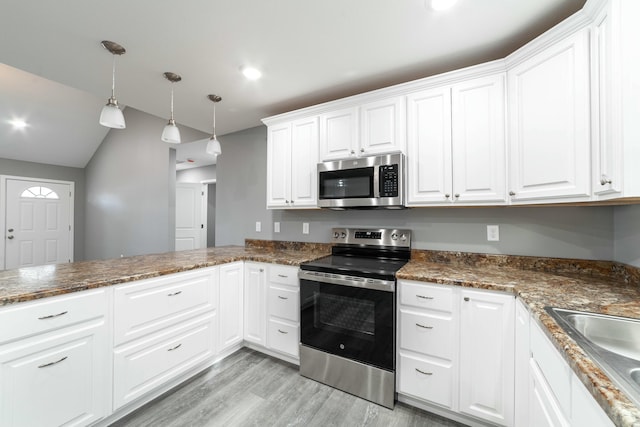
283, 274
552, 366
427, 334
284, 303
53, 313
422, 295
150, 305
426, 380
141, 367
283, 337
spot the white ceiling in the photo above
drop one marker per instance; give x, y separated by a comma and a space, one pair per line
309, 52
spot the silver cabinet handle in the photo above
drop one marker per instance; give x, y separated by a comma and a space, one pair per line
423, 372
446, 196
174, 348
512, 193
353, 152
466, 298
52, 363
293, 201
283, 276
424, 297
10, 237
286, 201
282, 332
174, 294
281, 297
53, 315
10, 230
604, 180
456, 195
262, 270
424, 327
362, 150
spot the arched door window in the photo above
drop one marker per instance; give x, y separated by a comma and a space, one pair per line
39, 193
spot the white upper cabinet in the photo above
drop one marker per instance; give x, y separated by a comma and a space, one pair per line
339, 134
292, 157
615, 94
549, 124
456, 144
382, 126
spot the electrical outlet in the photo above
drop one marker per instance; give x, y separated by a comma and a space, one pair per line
258, 226
305, 228
276, 227
493, 233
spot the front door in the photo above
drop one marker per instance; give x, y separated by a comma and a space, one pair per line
38, 223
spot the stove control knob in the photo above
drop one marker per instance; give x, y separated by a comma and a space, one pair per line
394, 236
336, 234
343, 235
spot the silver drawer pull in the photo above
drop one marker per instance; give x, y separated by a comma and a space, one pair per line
282, 297
424, 373
53, 315
52, 363
423, 297
282, 332
174, 348
174, 294
283, 276
424, 327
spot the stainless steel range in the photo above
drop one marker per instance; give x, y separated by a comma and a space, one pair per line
347, 304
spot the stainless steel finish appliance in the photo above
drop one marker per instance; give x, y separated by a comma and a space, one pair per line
375, 182
347, 312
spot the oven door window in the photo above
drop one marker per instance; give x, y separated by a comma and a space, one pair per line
347, 184
351, 322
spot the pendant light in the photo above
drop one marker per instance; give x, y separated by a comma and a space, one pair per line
111, 115
213, 146
171, 133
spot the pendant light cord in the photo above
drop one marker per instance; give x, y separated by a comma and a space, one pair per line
113, 78
214, 120
171, 101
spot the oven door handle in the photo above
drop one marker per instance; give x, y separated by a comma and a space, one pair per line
376, 182
344, 280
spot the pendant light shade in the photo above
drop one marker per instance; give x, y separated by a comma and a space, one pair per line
111, 115
213, 146
171, 133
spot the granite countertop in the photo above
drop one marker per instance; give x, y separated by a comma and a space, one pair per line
27, 284
600, 287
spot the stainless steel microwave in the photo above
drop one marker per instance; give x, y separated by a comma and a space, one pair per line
364, 182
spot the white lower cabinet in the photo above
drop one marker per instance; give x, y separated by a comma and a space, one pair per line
54, 367
172, 319
255, 303
231, 286
455, 349
283, 310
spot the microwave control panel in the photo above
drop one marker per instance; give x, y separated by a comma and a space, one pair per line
389, 181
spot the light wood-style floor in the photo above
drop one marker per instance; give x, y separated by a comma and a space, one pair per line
251, 389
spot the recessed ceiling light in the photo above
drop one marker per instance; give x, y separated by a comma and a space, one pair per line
251, 73
442, 4
18, 124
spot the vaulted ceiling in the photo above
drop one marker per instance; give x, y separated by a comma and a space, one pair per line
57, 75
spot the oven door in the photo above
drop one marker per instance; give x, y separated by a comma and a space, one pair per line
349, 321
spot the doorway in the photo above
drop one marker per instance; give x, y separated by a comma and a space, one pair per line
191, 216
37, 220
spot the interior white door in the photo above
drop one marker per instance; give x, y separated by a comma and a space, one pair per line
190, 217
38, 223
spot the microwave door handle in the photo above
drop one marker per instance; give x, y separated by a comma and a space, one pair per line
376, 182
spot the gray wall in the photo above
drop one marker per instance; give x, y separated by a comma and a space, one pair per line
627, 234
62, 173
567, 232
211, 215
130, 184
196, 175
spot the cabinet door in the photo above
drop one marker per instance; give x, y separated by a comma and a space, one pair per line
429, 147
278, 165
478, 141
231, 301
549, 124
338, 134
487, 356
544, 411
382, 126
606, 103
61, 378
304, 163
255, 302
522, 356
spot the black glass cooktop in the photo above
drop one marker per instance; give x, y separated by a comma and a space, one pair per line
376, 268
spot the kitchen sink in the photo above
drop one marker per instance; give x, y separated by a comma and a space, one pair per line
612, 342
